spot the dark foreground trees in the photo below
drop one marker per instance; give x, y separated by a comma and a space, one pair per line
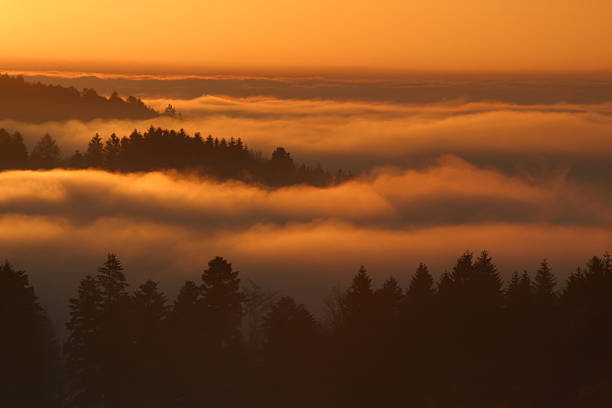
463, 340
29, 363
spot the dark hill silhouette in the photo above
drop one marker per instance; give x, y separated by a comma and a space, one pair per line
37, 102
165, 149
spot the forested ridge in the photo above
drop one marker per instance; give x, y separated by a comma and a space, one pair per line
36, 102
166, 149
466, 339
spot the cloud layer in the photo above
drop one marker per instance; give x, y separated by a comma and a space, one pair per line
412, 88
301, 240
359, 136
523, 176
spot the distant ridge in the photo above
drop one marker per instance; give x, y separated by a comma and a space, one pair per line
36, 102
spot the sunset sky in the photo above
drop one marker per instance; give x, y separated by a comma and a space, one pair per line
543, 35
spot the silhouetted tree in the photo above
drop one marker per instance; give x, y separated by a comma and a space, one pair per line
587, 308
148, 379
281, 168
45, 154
292, 340
543, 286
95, 152
170, 111
222, 309
359, 299
356, 336
465, 342
187, 333
115, 330
28, 359
13, 152
77, 161
160, 149
81, 348
419, 341
519, 291
112, 152
388, 302
472, 304
222, 299
421, 286
545, 323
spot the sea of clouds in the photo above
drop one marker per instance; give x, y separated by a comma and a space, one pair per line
525, 181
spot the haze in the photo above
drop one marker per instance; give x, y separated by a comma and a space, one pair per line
476, 35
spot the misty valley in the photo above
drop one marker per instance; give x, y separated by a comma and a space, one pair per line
119, 218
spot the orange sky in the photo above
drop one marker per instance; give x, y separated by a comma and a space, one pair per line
548, 35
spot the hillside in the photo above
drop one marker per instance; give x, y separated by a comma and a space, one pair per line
37, 102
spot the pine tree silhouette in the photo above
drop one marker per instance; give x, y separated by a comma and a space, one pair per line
83, 365
222, 309
222, 299
148, 379
45, 154
187, 334
114, 336
13, 152
468, 343
544, 283
28, 358
95, 152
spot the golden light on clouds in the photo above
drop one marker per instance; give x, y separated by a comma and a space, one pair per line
421, 35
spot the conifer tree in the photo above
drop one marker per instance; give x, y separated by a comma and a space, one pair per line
291, 346
45, 154
488, 283
148, 379
462, 271
289, 329
445, 284
388, 301
359, 300
187, 334
111, 281
418, 350
222, 300
95, 152
28, 357
187, 299
221, 304
390, 297
544, 283
77, 161
81, 351
111, 152
115, 331
13, 152
421, 284
519, 292
544, 331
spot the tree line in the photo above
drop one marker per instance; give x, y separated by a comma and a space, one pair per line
465, 339
163, 149
38, 102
